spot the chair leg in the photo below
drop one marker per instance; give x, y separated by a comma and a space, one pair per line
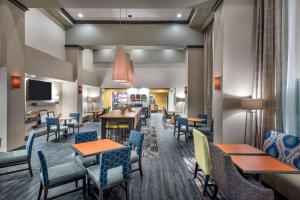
58, 136
205, 184
196, 169
40, 191
127, 190
45, 193
215, 192
30, 169
140, 167
76, 184
73, 130
100, 197
84, 186
47, 136
89, 186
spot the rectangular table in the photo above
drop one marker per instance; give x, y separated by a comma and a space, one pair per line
240, 149
92, 148
132, 118
261, 165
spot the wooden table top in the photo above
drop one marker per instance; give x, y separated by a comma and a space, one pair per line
240, 149
86, 149
262, 165
66, 118
196, 119
117, 114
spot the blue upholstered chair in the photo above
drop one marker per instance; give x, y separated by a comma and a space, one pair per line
86, 137
75, 122
135, 142
53, 126
208, 130
176, 123
58, 175
19, 157
184, 128
113, 170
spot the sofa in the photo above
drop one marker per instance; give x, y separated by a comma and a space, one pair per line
286, 148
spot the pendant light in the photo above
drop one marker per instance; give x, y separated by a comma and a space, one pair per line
120, 68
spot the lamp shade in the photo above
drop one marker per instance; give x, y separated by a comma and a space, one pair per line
131, 75
252, 104
120, 70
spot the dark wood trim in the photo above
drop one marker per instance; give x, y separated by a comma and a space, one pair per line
194, 46
191, 15
19, 5
216, 5
124, 22
67, 15
74, 46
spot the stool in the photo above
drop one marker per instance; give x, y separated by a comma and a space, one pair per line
110, 129
124, 131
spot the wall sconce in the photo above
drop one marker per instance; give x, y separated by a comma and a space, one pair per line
186, 90
15, 81
217, 82
79, 89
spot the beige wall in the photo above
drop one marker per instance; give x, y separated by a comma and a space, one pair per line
12, 39
69, 97
43, 34
233, 60
194, 81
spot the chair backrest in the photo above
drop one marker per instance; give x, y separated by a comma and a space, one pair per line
43, 167
29, 144
76, 116
86, 137
283, 147
53, 122
176, 118
136, 140
114, 158
232, 184
203, 116
51, 114
183, 122
202, 154
212, 125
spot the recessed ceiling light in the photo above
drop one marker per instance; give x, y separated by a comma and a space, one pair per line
179, 15
80, 15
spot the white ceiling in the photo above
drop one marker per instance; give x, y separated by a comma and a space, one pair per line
137, 14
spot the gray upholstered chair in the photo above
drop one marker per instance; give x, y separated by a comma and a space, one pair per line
113, 170
53, 126
86, 137
231, 183
135, 141
58, 175
75, 122
19, 157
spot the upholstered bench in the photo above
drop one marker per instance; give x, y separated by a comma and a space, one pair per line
285, 148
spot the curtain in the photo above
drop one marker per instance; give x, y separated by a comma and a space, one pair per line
268, 65
208, 69
290, 88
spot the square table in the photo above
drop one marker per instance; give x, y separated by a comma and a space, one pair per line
261, 165
196, 120
92, 148
240, 149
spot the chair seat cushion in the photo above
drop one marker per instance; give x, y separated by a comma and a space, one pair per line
134, 157
86, 162
124, 126
65, 172
114, 175
183, 129
205, 130
73, 123
287, 185
12, 157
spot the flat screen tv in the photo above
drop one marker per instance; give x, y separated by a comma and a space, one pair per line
39, 90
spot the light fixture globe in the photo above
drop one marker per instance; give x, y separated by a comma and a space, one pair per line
120, 69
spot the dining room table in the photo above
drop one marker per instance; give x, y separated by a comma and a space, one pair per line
240, 149
95, 148
196, 120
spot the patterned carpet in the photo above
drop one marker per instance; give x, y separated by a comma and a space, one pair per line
150, 148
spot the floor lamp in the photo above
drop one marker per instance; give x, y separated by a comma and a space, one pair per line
252, 106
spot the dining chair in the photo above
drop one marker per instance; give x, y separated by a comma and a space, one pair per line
232, 184
176, 123
184, 128
208, 130
75, 122
86, 137
113, 170
202, 156
53, 126
135, 142
202, 116
58, 175
19, 157
51, 114
144, 116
